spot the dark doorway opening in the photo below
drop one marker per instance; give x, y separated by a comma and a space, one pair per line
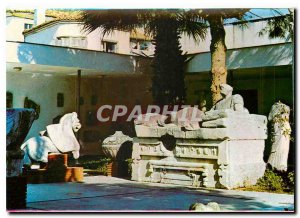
250, 97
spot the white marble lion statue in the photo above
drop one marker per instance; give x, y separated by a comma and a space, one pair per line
57, 138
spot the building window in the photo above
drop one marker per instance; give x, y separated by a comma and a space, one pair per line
141, 45
109, 46
70, 41
27, 26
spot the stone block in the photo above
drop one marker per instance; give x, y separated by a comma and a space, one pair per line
16, 192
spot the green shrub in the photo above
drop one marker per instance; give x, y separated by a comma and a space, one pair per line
271, 181
95, 164
276, 181
291, 181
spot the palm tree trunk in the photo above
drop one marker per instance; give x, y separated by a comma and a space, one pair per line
218, 56
168, 86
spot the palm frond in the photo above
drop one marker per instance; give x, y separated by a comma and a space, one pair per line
279, 27
192, 24
110, 20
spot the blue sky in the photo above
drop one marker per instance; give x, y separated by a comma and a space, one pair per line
259, 13
268, 12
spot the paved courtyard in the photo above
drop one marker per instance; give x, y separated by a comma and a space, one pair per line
101, 193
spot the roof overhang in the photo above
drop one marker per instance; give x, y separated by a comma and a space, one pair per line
52, 59
242, 58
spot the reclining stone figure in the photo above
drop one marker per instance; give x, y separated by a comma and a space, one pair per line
229, 101
57, 138
193, 116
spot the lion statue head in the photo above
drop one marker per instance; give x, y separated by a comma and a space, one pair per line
71, 119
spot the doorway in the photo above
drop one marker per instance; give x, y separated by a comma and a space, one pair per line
250, 97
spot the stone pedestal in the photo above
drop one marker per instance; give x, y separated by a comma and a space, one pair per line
57, 159
110, 148
56, 170
16, 192
18, 123
112, 169
228, 154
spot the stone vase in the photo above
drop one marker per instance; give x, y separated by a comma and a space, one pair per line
110, 147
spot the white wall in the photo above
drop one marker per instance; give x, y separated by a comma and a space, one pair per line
49, 35
43, 90
121, 38
236, 37
15, 27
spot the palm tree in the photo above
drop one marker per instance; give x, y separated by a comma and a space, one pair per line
165, 26
215, 20
192, 22
279, 26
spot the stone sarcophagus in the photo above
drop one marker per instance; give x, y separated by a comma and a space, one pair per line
225, 152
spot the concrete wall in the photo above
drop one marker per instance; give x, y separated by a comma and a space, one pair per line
121, 38
106, 63
15, 27
42, 90
108, 90
236, 37
49, 34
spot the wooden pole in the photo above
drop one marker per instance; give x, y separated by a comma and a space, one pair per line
78, 93
78, 81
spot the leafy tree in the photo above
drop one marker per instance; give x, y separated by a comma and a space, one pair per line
280, 26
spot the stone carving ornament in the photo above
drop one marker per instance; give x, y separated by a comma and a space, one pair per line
280, 136
112, 144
